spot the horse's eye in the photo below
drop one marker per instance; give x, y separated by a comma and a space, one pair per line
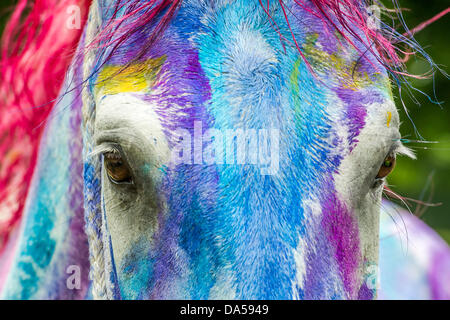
116, 168
387, 166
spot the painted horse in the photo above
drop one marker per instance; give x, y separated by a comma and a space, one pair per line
231, 149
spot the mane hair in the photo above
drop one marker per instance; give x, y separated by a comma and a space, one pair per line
36, 50
349, 18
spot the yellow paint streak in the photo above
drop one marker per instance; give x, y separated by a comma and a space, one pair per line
138, 77
389, 117
338, 66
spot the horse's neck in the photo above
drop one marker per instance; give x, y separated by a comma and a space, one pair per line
51, 244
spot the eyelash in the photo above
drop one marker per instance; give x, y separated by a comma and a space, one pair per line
118, 171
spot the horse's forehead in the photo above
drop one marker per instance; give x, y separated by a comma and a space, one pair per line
243, 60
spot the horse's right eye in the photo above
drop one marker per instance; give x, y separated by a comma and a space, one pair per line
387, 167
116, 168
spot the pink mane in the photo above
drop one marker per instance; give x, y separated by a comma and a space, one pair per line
36, 50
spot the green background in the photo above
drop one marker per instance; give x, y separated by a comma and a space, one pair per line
428, 177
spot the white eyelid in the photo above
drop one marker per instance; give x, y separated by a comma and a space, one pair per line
102, 148
405, 151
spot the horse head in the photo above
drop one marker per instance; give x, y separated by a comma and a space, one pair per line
230, 149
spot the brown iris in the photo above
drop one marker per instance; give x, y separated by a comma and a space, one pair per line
116, 168
387, 166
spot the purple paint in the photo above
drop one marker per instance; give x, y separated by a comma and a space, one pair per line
355, 114
341, 230
365, 293
79, 252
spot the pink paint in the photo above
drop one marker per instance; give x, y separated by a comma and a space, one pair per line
7, 255
36, 50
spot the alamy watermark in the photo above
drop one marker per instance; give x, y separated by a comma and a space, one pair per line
372, 276
258, 147
73, 281
374, 19
73, 17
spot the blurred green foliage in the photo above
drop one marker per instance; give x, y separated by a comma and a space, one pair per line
428, 177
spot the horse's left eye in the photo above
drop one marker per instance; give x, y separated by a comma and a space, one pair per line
116, 168
387, 166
